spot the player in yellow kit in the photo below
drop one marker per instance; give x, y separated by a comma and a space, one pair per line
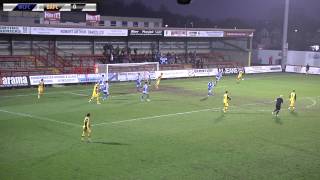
292, 100
226, 100
240, 76
86, 128
40, 88
158, 81
95, 93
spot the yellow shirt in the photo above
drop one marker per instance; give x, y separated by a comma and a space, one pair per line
95, 89
293, 96
159, 78
86, 123
41, 85
225, 98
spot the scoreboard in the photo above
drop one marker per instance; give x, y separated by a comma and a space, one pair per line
50, 7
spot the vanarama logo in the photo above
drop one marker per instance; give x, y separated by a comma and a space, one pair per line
14, 81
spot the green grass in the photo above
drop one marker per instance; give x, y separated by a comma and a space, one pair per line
180, 134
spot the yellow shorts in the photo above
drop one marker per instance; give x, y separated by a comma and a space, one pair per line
226, 104
94, 95
40, 90
86, 131
292, 103
239, 77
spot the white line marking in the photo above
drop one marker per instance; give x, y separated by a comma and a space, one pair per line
155, 117
78, 94
314, 102
167, 115
38, 117
35, 94
173, 114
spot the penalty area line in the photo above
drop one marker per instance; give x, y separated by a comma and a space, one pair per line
172, 114
155, 117
38, 118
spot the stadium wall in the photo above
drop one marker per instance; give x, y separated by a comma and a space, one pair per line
299, 58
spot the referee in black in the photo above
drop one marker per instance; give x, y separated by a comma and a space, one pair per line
279, 101
307, 69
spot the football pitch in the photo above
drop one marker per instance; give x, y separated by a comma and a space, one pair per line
180, 134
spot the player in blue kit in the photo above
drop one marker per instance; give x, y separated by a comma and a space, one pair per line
138, 81
219, 75
211, 86
145, 92
105, 90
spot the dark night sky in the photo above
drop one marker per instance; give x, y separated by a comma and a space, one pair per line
243, 9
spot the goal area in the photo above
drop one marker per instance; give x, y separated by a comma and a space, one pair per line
128, 71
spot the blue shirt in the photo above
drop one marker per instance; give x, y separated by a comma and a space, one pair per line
138, 81
210, 85
219, 75
145, 89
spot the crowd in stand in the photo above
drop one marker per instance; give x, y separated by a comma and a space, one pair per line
126, 55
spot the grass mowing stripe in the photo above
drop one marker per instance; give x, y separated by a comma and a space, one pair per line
195, 111
155, 117
38, 117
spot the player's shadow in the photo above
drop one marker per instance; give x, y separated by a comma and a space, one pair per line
293, 113
204, 99
277, 120
120, 99
109, 143
164, 100
219, 118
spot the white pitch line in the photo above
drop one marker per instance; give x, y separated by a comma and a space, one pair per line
314, 102
30, 94
38, 117
78, 94
168, 115
155, 117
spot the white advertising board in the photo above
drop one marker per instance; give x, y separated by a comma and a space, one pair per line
262, 69
302, 69
13, 81
78, 31
185, 33
202, 72
54, 79
14, 30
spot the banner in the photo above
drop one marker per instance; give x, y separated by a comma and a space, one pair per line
16, 81
145, 32
202, 72
78, 31
204, 33
231, 70
185, 33
175, 33
14, 30
302, 69
92, 18
52, 16
55, 79
132, 76
237, 34
262, 69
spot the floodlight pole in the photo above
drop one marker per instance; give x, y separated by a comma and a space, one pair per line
285, 35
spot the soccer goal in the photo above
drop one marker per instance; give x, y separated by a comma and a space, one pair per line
128, 71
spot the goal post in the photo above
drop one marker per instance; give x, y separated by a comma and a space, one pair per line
127, 71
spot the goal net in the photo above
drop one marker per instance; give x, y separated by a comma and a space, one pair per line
128, 71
